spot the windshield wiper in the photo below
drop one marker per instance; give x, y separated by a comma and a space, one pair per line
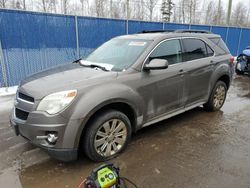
77, 61
95, 66
91, 65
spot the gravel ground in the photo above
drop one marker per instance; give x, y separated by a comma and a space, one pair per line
194, 149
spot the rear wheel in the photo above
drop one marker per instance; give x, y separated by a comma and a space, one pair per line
217, 97
107, 135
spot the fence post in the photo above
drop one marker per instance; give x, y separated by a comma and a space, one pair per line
77, 38
211, 28
238, 49
3, 67
227, 34
127, 26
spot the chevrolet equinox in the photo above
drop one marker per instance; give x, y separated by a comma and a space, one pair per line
129, 82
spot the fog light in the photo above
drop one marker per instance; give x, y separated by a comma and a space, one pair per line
52, 138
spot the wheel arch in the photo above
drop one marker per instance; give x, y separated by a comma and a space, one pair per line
119, 105
226, 79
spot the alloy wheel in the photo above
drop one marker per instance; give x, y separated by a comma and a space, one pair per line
110, 137
219, 96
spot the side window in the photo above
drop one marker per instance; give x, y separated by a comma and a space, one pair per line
169, 50
210, 52
194, 49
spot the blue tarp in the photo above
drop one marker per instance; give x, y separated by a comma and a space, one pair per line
93, 32
32, 41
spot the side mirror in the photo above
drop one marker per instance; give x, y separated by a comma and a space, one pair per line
156, 64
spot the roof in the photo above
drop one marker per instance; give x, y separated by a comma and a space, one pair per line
159, 35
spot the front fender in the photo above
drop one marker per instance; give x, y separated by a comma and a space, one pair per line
98, 97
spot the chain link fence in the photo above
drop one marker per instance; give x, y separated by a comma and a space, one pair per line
31, 42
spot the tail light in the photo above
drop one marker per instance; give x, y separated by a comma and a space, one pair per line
231, 61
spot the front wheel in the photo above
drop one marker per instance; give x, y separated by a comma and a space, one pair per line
217, 97
107, 135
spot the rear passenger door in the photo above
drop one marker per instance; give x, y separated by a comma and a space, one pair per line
198, 68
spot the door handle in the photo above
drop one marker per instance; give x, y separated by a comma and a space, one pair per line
181, 72
212, 63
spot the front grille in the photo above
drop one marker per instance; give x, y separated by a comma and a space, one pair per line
20, 114
25, 97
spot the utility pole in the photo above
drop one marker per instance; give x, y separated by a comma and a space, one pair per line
229, 11
128, 15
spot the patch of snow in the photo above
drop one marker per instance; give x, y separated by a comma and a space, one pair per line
6, 91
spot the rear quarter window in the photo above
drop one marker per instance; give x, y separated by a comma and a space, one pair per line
221, 45
195, 49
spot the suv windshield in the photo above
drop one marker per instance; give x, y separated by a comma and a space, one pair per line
119, 54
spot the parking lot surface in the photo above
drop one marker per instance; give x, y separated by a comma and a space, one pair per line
194, 149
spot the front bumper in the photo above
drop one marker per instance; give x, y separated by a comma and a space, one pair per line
38, 125
242, 66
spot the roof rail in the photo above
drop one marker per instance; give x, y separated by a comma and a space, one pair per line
192, 31
157, 31
177, 31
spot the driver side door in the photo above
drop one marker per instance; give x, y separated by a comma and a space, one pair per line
163, 89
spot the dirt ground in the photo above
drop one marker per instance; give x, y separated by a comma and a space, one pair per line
194, 149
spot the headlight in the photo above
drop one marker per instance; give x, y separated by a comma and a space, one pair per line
56, 102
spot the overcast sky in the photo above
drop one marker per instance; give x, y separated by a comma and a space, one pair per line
247, 2
224, 3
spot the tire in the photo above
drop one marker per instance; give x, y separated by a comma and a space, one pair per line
105, 145
217, 97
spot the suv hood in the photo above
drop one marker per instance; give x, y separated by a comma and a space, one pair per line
65, 77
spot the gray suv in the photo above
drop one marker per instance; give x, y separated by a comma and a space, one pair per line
128, 83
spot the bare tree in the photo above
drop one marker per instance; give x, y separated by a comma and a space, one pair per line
175, 14
24, 4
190, 7
65, 6
84, 7
179, 12
116, 10
111, 8
3, 3
183, 10
44, 5
194, 10
53, 5
219, 14
248, 16
99, 5
190, 10
239, 14
48, 5
18, 5
137, 10
150, 5
209, 12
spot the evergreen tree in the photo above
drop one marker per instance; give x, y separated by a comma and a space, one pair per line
167, 10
